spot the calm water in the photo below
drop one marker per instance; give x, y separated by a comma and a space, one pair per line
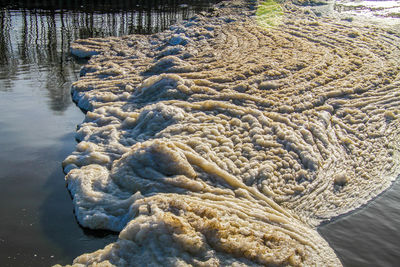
370, 236
38, 120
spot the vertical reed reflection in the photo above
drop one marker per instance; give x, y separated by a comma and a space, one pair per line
35, 34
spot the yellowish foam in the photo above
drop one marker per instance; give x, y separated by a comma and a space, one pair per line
219, 142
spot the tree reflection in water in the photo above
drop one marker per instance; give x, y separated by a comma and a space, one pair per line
35, 35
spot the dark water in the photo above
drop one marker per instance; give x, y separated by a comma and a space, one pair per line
38, 118
369, 236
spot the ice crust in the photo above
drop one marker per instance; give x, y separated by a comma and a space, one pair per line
223, 143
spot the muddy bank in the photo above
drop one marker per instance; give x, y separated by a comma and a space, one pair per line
228, 138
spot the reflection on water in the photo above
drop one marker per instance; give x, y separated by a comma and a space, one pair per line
38, 118
34, 34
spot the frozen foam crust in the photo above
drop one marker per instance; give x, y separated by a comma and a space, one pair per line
220, 142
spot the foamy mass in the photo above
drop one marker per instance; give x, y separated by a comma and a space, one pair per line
225, 142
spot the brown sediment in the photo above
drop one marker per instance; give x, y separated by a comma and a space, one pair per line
220, 142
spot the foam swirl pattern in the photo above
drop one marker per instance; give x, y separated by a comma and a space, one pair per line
220, 142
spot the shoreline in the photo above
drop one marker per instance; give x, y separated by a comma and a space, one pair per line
220, 112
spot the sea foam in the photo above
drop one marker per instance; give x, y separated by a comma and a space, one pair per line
223, 142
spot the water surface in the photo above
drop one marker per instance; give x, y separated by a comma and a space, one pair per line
369, 236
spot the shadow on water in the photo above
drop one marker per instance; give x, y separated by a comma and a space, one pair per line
58, 222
